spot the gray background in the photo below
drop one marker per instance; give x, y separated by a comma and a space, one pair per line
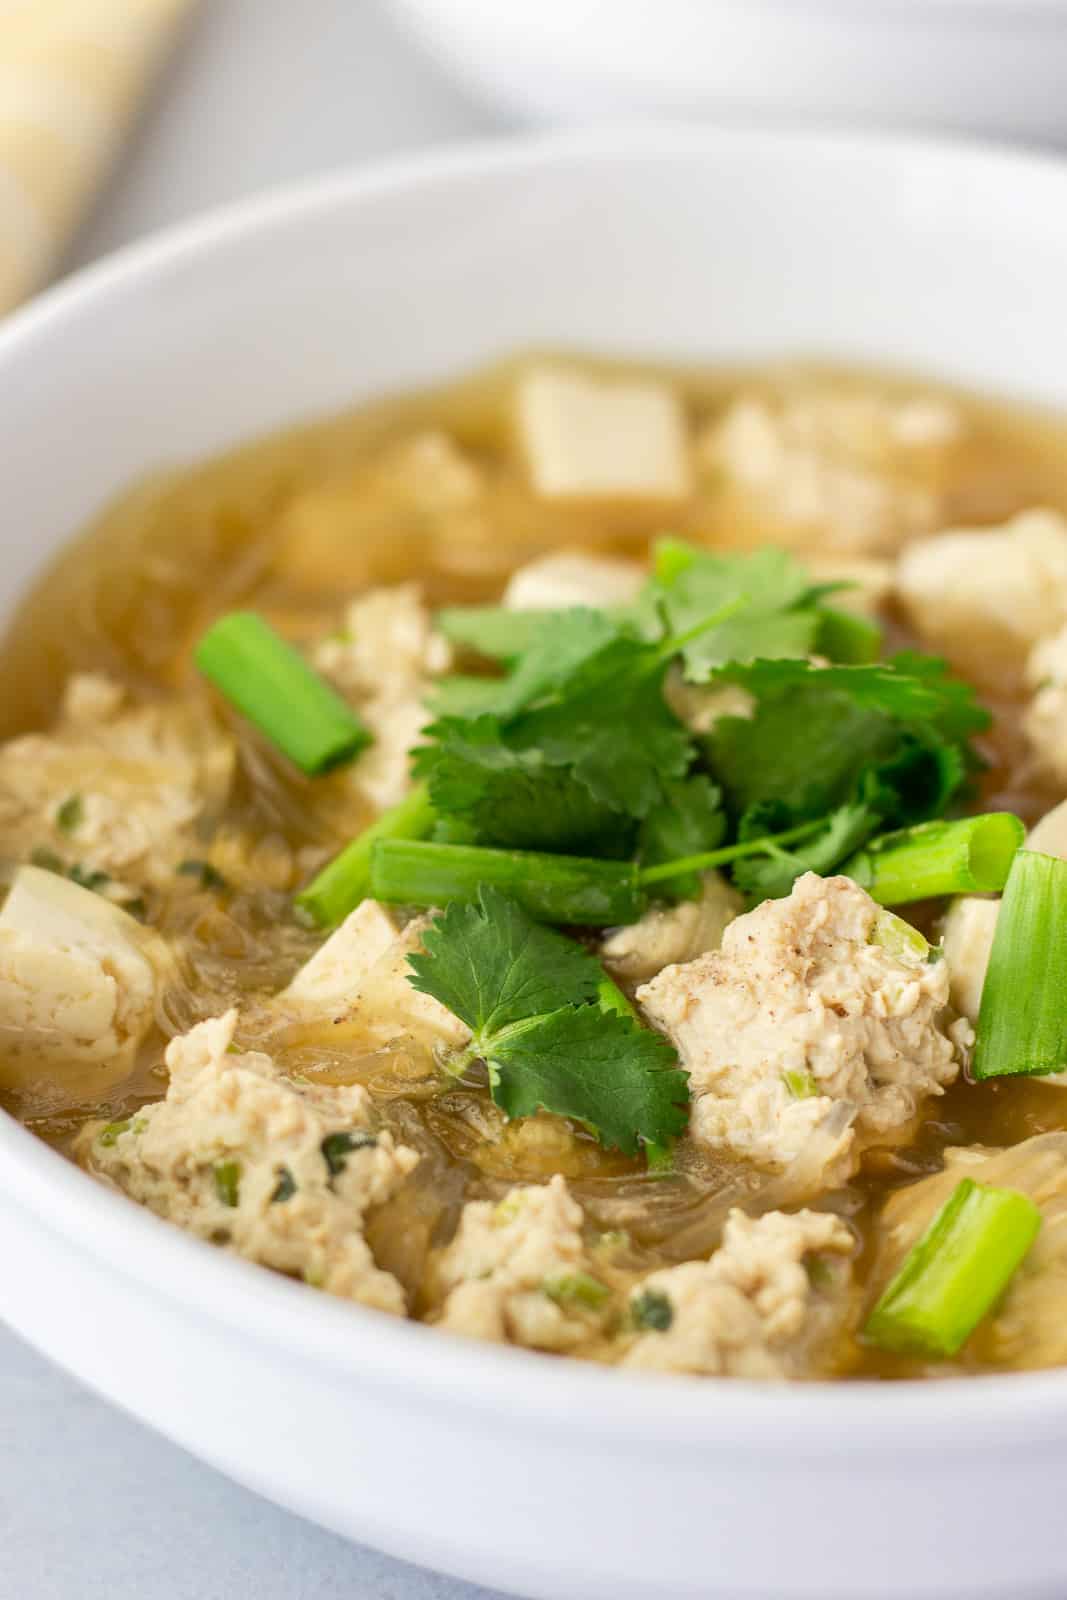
92, 1505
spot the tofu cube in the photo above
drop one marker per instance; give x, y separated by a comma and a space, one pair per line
586, 438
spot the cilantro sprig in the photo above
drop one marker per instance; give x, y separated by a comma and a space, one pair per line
574, 755
530, 998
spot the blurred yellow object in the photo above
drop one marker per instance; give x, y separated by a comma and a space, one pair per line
72, 73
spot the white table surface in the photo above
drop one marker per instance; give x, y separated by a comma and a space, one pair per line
92, 1505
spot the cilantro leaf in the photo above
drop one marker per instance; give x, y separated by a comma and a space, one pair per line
492, 965
770, 876
866, 747
511, 796
688, 820
618, 1078
779, 616
571, 750
491, 631
529, 996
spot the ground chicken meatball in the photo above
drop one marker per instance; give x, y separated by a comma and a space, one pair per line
756, 1309
384, 661
834, 466
1027, 1328
112, 790
801, 1010
280, 1172
509, 1273
986, 595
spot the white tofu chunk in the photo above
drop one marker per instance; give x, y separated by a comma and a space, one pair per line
573, 578
968, 939
1049, 836
358, 983
986, 595
78, 984
1045, 718
589, 438
328, 981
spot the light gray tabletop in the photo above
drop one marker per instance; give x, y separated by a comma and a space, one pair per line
92, 1505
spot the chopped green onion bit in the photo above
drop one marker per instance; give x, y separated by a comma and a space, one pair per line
228, 1182
272, 685
956, 1273
1022, 1023
973, 856
577, 1289
652, 1311
899, 937
345, 881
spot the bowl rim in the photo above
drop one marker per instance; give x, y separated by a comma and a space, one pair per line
364, 1347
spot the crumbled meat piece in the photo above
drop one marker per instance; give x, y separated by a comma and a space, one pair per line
91, 697
78, 985
986, 595
1027, 1328
387, 645
115, 791
573, 578
384, 660
831, 465
754, 1310
669, 934
500, 1277
280, 1172
801, 1010
589, 438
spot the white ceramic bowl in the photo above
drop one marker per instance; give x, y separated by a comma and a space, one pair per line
996, 66
552, 1479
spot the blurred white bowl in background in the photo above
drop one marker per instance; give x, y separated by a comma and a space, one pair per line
994, 66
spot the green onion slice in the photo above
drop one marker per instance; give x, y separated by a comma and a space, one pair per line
1022, 1023
550, 888
272, 685
956, 1273
973, 856
345, 881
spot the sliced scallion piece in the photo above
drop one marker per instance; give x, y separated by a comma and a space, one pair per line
272, 685
1022, 1023
972, 856
550, 888
956, 1273
345, 881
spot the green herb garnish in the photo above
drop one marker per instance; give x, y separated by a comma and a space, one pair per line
337, 1147
70, 814
207, 876
531, 999
227, 1175
1022, 1023
272, 685
285, 1188
651, 1311
956, 1273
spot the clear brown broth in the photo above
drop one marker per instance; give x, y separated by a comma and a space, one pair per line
138, 587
